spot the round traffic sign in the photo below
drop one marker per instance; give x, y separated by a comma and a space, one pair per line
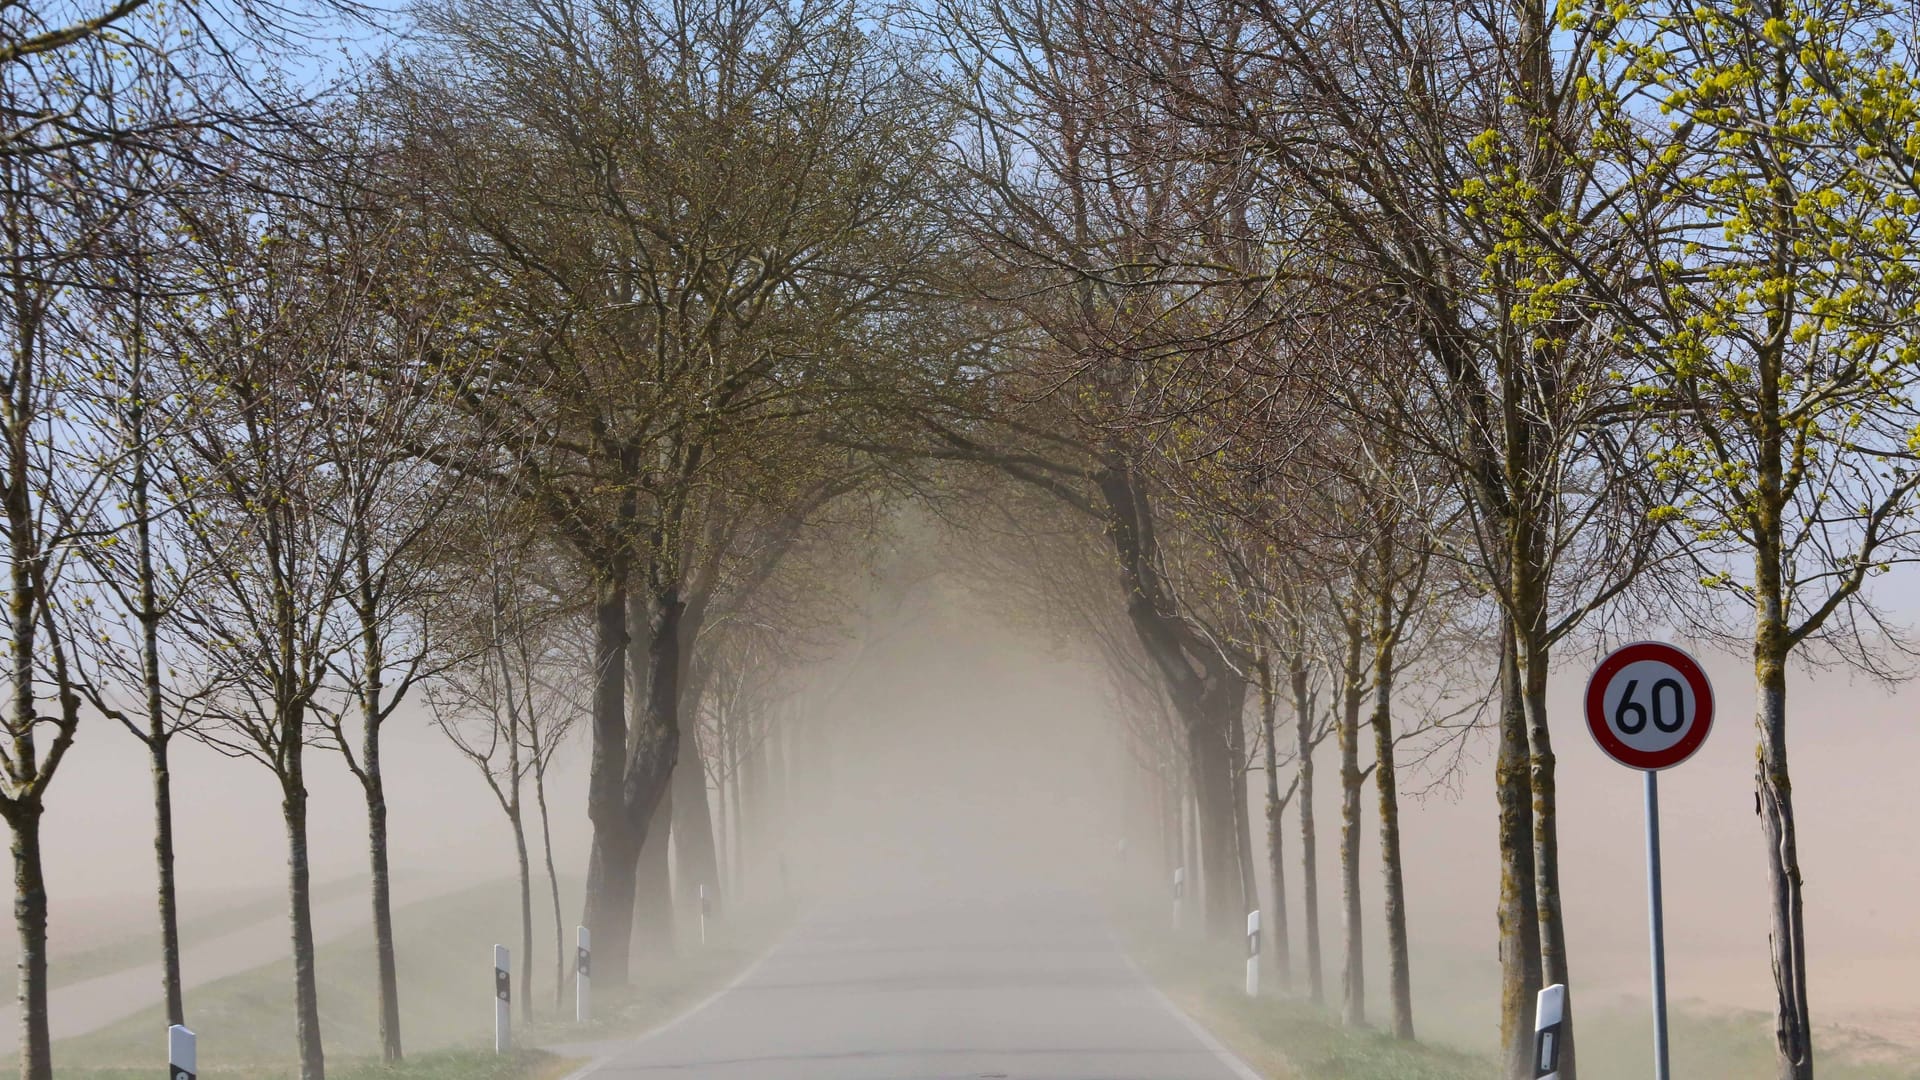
1649, 705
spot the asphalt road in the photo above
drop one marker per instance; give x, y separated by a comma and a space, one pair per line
897, 988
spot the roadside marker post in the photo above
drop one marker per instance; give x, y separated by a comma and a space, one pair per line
1253, 954
1650, 707
583, 978
502, 1000
706, 908
1179, 893
183, 1057
1549, 1011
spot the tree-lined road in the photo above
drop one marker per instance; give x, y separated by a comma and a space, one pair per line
895, 988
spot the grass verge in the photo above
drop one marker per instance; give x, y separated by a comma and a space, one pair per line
444, 948
1290, 1039
1287, 1039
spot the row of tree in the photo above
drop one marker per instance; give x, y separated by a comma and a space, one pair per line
546, 366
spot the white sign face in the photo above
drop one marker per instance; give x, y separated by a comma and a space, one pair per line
1649, 706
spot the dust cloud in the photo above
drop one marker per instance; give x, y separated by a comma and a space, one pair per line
966, 757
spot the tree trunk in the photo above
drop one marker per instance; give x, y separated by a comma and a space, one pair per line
560, 953
382, 890
1309, 860
653, 926
1214, 784
1546, 845
656, 747
157, 736
616, 842
306, 989
1242, 824
1278, 932
738, 848
1518, 912
524, 864
30, 920
157, 746
693, 842
1386, 780
611, 870
1353, 980
1773, 801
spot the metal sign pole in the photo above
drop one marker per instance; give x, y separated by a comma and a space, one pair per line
1656, 923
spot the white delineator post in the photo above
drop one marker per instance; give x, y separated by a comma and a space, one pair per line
1253, 954
183, 1058
583, 978
502, 1000
705, 904
1550, 1009
1179, 892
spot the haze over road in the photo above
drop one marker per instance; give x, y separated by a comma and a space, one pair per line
902, 987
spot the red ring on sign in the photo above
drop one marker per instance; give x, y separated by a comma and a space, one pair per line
1602, 732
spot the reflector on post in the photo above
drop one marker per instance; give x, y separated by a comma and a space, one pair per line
583, 978
1550, 1010
502, 1000
1253, 954
183, 1056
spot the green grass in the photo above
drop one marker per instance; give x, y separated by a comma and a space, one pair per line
1283, 1038
1289, 1039
444, 948
142, 946
1617, 1044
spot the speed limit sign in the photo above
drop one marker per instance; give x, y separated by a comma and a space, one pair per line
1649, 705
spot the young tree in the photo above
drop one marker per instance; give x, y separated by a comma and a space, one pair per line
272, 356
1778, 346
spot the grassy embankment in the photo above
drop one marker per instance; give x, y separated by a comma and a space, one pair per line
127, 941
1286, 1038
445, 947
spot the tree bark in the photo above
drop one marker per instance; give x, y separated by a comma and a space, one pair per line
157, 737
1278, 933
306, 989
1309, 861
1242, 824
694, 851
1773, 802
1386, 781
1518, 912
30, 921
615, 850
157, 749
1546, 845
1214, 782
382, 892
524, 864
653, 926
560, 953
373, 786
1353, 978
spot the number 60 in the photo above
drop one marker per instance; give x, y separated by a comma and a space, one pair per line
1638, 721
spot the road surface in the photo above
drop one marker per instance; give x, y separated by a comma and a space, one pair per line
893, 989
